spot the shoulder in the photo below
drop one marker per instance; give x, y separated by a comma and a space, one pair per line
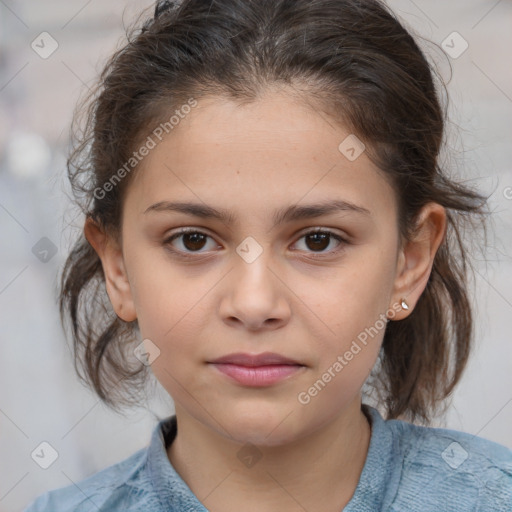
117, 487
454, 469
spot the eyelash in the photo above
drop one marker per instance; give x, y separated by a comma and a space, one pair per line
187, 255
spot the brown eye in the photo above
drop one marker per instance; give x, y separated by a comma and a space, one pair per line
194, 241
191, 241
319, 240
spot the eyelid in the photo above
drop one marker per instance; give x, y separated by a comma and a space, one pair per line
183, 231
324, 229
342, 239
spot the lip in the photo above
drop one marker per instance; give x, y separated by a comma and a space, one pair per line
263, 359
256, 370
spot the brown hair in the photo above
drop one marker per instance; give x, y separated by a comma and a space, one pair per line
351, 58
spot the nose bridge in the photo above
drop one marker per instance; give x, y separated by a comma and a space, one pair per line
253, 262
255, 291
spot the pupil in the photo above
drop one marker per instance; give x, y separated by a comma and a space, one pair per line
194, 238
320, 237
196, 241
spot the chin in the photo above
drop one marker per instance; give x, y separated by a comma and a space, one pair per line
263, 426
262, 437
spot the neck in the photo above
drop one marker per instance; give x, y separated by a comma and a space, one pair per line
319, 471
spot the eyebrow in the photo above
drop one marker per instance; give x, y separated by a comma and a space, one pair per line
287, 214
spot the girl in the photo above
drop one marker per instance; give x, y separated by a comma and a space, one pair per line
266, 211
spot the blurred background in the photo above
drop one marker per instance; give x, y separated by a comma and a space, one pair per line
50, 53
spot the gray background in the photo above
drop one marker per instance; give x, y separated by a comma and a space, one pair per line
40, 397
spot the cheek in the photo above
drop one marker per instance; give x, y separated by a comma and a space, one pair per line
174, 325
164, 294
345, 363
339, 313
169, 320
356, 298
353, 312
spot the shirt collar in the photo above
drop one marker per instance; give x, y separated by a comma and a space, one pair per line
380, 477
174, 494
376, 488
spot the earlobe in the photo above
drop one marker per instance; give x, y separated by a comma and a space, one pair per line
116, 278
416, 258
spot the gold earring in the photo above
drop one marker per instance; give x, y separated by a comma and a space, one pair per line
404, 304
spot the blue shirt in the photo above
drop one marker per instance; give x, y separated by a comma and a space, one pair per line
408, 468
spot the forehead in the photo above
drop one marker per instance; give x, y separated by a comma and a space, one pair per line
255, 158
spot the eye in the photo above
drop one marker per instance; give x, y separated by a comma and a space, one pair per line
318, 240
193, 240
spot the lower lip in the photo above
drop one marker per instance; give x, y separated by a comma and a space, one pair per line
257, 376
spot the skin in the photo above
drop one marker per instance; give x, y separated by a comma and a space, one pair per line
304, 301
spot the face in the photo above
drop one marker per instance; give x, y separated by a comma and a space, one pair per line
260, 281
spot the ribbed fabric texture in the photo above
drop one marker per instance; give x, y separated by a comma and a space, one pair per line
408, 469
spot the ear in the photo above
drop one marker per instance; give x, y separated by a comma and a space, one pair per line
116, 278
416, 257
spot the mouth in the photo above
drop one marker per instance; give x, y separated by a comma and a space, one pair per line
256, 370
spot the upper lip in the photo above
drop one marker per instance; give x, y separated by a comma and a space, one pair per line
264, 359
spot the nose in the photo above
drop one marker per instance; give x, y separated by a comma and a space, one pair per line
255, 297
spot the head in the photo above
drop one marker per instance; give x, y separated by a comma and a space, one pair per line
259, 113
